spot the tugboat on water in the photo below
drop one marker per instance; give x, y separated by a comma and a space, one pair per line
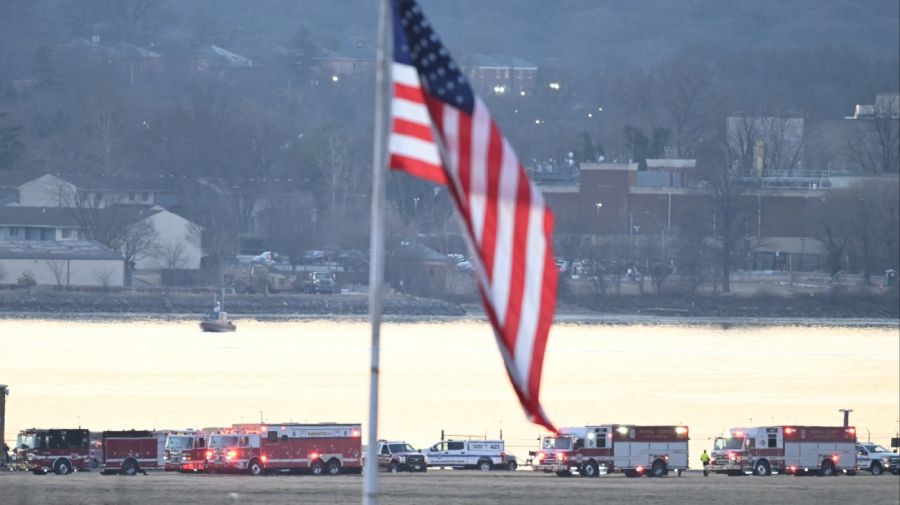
217, 320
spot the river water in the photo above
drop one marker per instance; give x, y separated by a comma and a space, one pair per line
445, 375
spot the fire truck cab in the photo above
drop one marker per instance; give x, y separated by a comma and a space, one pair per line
764, 450
320, 449
62, 451
133, 451
186, 451
632, 450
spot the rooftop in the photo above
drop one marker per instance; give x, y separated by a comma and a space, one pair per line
48, 250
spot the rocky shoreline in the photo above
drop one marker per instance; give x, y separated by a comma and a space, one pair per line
60, 302
629, 309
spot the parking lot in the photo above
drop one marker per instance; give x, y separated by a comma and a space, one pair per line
444, 487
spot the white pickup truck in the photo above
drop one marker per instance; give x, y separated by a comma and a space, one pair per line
484, 455
877, 459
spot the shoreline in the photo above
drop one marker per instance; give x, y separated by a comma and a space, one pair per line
566, 317
722, 311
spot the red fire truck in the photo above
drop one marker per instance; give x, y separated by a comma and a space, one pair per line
133, 451
762, 450
632, 450
62, 451
321, 449
186, 451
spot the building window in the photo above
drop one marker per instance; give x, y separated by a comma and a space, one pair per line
131, 196
14, 232
145, 196
506, 74
66, 233
519, 73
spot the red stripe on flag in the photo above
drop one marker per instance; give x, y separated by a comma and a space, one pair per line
494, 169
465, 160
418, 168
411, 93
517, 275
418, 130
547, 308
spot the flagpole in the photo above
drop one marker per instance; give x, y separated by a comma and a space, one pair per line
376, 253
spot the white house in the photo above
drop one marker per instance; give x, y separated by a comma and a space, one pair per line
61, 263
177, 244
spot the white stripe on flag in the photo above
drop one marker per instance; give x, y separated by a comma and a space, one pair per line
536, 249
481, 137
410, 111
506, 223
450, 134
405, 74
414, 147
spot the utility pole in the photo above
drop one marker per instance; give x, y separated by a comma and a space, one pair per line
846, 416
4, 391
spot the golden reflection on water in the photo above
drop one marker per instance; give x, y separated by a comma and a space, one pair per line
445, 375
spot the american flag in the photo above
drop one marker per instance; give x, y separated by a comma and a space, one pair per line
508, 225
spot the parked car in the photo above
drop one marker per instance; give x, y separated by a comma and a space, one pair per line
314, 257
561, 264
352, 260
484, 455
400, 457
465, 266
320, 282
877, 459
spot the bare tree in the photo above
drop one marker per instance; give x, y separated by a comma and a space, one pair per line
171, 255
775, 140
875, 144
287, 223
105, 275
726, 191
58, 268
688, 91
99, 219
832, 231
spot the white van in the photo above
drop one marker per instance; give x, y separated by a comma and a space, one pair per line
484, 455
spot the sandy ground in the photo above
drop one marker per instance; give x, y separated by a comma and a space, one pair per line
444, 487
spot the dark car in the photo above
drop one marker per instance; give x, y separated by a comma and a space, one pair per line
352, 260
320, 282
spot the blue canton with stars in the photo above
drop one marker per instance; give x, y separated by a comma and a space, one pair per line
416, 43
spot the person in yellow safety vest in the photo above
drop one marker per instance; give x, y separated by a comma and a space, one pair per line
704, 458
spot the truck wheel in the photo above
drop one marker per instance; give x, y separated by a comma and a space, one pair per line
827, 469
62, 467
129, 467
334, 467
485, 465
511, 466
254, 467
876, 469
317, 468
762, 469
658, 468
590, 469
394, 468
